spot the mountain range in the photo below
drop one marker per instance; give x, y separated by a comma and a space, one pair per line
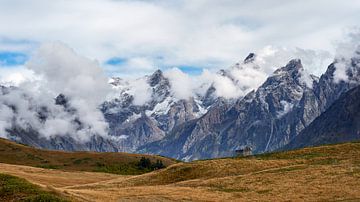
291, 109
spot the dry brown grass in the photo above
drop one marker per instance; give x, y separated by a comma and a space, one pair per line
13, 153
328, 173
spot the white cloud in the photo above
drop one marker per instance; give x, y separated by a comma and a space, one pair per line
14, 76
140, 90
181, 83
210, 34
59, 70
5, 119
346, 49
242, 78
66, 72
340, 73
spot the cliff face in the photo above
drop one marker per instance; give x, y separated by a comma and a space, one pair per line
266, 119
339, 123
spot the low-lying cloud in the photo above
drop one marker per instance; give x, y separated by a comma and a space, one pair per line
60, 71
346, 50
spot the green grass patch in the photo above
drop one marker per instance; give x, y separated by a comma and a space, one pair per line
143, 166
17, 189
81, 161
121, 169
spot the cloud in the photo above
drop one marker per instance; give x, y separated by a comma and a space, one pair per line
14, 76
5, 120
140, 90
66, 72
60, 71
241, 78
181, 83
223, 85
346, 49
207, 34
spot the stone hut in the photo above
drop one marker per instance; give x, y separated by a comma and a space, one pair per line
243, 151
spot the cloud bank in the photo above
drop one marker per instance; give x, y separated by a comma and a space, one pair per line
162, 34
60, 71
347, 49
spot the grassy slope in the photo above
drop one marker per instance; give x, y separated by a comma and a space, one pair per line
326, 173
322, 173
16, 189
118, 163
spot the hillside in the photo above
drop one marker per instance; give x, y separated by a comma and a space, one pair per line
340, 123
17, 189
111, 162
321, 173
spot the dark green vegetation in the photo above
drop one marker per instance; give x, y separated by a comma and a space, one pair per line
17, 189
135, 168
111, 162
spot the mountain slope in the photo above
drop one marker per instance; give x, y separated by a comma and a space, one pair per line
265, 119
142, 124
339, 123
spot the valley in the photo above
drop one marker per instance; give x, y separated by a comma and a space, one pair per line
330, 172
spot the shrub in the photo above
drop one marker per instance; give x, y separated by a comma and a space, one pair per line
145, 164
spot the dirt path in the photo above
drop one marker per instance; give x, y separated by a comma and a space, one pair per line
55, 178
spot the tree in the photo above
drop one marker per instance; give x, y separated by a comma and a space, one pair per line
144, 163
158, 165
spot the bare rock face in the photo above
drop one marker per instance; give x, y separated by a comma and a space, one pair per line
339, 123
140, 125
266, 119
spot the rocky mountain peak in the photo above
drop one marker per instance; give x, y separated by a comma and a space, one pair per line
294, 69
156, 78
116, 81
250, 58
61, 99
293, 65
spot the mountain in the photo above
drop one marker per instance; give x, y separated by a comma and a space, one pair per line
28, 114
339, 123
260, 119
130, 124
206, 125
142, 124
265, 119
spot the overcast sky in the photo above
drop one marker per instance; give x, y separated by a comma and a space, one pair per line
131, 38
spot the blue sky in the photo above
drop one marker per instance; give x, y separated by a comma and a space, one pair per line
133, 38
12, 58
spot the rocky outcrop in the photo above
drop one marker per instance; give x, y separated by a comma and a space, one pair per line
339, 123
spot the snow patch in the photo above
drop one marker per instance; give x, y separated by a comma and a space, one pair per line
162, 107
187, 158
286, 108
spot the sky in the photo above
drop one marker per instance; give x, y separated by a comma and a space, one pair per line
133, 38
